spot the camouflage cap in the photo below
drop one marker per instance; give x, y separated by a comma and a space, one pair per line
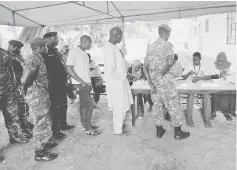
16, 43
165, 27
38, 42
50, 34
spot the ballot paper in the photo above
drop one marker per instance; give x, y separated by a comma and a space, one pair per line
183, 85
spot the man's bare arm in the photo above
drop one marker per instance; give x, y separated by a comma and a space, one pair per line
168, 65
146, 73
72, 73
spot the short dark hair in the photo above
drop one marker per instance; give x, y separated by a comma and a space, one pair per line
197, 54
176, 57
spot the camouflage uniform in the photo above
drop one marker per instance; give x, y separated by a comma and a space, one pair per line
23, 112
166, 91
39, 101
8, 96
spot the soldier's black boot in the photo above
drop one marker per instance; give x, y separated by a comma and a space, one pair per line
59, 135
179, 134
1, 158
160, 131
50, 145
43, 155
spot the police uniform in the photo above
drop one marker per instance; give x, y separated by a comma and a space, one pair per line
23, 112
8, 98
57, 87
38, 97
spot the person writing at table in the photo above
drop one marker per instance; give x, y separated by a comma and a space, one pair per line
137, 71
226, 103
195, 72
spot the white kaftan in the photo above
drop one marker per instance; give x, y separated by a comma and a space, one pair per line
119, 91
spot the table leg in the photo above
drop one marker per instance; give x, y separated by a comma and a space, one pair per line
138, 106
133, 114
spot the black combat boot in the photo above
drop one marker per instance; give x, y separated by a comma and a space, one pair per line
43, 155
59, 135
27, 134
18, 139
1, 158
160, 131
167, 116
50, 145
179, 134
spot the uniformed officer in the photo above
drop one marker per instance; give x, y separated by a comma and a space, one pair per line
158, 62
57, 87
17, 61
8, 99
35, 76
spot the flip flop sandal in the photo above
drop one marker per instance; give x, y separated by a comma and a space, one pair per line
190, 123
124, 133
93, 132
207, 124
95, 127
228, 117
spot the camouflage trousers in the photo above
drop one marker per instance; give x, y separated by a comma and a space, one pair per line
9, 107
39, 106
166, 98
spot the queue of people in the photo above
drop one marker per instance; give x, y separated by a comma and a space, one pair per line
40, 84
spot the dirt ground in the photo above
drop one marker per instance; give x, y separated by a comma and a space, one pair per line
206, 149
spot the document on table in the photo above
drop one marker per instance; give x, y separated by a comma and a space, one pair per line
210, 85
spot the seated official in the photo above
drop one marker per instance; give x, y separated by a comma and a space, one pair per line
137, 71
96, 80
225, 103
195, 72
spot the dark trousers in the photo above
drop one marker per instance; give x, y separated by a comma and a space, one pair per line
58, 98
86, 105
96, 85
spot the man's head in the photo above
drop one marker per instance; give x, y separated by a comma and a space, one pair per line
221, 61
197, 59
52, 38
85, 42
136, 65
15, 46
164, 31
115, 35
39, 45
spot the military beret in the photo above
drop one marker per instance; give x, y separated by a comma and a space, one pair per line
16, 43
165, 27
38, 41
50, 34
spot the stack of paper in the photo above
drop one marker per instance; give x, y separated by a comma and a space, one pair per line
211, 85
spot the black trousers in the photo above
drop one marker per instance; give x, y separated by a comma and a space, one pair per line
58, 109
96, 86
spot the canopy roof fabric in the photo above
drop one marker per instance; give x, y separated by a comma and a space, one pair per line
52, 13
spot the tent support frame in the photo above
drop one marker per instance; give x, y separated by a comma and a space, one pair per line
13, 17
20, 15
123, 30
92, 9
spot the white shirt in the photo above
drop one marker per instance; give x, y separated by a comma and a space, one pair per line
80, 60
230, 74
198, 70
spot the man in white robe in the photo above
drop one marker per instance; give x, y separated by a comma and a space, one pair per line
116, 77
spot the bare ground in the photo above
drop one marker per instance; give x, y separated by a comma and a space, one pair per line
206, 149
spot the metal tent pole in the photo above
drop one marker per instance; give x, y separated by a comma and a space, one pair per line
123, 30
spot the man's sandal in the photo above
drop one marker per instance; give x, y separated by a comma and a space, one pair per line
93, 132
207, 124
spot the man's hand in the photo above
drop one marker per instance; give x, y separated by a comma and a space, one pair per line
130, 76
191, 73
196, 79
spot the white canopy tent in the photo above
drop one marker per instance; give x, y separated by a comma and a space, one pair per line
53, 13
